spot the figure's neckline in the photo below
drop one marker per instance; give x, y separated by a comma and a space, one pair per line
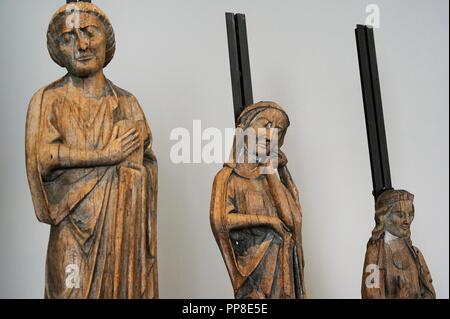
109, 86
388, 237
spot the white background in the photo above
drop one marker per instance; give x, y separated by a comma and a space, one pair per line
173, 56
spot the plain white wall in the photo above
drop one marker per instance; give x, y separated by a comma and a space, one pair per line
172, 55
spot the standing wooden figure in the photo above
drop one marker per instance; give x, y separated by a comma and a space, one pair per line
393, 267
91, 169
256, 215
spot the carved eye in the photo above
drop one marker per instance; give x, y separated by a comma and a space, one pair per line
399, 214
66, 37
269, 125
90, 31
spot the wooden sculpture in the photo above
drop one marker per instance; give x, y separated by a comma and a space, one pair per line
256, 215
91, 169
257, 218
393, 267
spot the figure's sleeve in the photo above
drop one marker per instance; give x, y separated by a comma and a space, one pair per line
151, 166
222, 203
138, 114
151, 163
48, 140
230, 204
32, 137
148, 145
428, 291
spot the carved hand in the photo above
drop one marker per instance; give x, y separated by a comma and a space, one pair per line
120, 147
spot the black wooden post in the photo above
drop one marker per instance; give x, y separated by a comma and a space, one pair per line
241, 79
373, 109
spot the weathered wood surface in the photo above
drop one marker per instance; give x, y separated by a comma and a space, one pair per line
256, 217
91, 169
393, 267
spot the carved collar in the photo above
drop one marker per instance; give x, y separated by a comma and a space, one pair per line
388, 237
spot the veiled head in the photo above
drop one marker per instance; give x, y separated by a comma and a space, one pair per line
80, 38
269, 123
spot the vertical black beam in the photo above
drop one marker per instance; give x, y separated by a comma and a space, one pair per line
247, 91
373, 109
382, 141
239, 62
235, 66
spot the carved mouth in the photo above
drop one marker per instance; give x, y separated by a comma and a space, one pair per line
84, 58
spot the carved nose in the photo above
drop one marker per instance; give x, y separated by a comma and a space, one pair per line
83, 43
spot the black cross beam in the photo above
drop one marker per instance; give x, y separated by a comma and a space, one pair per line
373, 109
241, 79
69, 1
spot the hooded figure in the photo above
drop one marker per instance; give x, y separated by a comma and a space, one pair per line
91, 169
256, 215
393, 267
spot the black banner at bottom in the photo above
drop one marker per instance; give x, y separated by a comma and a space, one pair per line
204, 309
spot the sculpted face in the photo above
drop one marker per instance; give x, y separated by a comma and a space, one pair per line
398, 222
82, 44
264, 126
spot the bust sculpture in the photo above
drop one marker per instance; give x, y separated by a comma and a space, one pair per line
256, 215
91, 169
393, 267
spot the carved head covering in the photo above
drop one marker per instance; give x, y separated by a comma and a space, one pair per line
66, 10
250, 112
244, 121
383, 207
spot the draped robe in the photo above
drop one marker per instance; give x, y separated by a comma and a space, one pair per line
402, 271
261, 263
103, 219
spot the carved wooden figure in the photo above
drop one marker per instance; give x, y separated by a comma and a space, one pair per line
256, 215
393, 267
91, 169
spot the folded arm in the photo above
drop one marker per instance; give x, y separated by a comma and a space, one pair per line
61, 156
242, 221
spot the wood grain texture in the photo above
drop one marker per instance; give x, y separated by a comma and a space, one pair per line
91, 169
256, 218
393, 267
